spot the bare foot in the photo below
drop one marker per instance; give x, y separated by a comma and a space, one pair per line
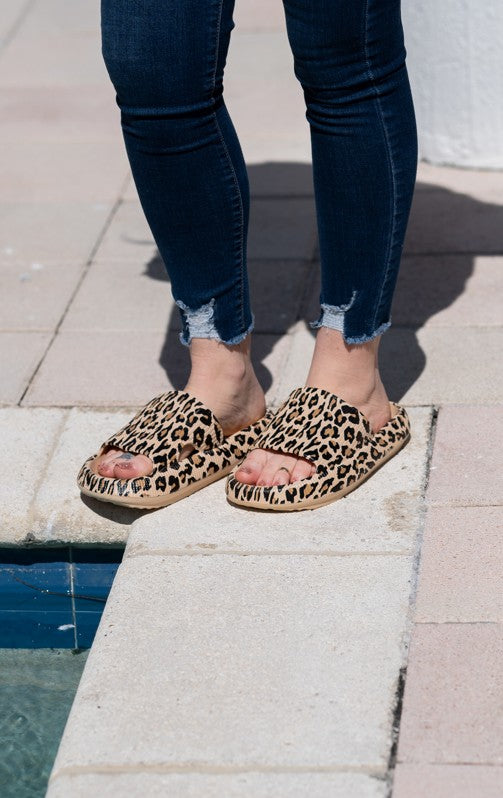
349, 371
222, 377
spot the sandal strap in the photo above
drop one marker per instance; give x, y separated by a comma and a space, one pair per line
165, 425
316, 425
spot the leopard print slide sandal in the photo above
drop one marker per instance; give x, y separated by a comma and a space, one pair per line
160, 430
334, 436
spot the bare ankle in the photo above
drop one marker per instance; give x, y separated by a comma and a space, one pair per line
351, 371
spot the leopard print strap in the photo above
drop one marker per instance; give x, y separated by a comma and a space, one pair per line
165, 425
318, 426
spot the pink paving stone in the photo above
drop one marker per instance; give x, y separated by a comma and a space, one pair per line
453, 702
466, 463
461, 565
448, 781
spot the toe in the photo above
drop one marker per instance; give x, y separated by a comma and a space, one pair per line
276, 465
302, 470
250, 469
128, 466
104, 466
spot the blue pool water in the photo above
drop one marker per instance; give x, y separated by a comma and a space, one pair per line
51, 601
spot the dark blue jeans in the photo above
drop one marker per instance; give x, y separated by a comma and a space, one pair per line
166, 60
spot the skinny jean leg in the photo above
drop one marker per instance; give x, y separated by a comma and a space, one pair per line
166, 60
349, 57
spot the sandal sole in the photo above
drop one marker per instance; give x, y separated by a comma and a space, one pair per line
321, 502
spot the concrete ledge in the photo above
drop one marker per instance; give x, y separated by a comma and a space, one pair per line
210, 785
243, 662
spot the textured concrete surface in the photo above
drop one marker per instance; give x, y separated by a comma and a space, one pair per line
211, 785
257, 661
28, 440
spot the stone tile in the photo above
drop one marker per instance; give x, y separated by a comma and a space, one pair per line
66, 170
48, 113
383, 515
128, 237
28, 437
465, 468
45, 231
446, 218
460, 580
443, 781
282, 228
442, 365
453, 696
38, 293
60, 512
257, 662
118, 369
260, 75
141, 294
61, 60
449, 291
259, 15
232, 785
20, 354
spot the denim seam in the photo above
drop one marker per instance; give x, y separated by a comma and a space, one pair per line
233, 171
390, 159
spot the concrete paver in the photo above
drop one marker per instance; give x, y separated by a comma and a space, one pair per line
466, 467
257, 661
448, 291
38, 293
443, 781
28, 230
119, 374
461, 566
59, 114
453, 702
20, 354
194, 785
52, 172
60, 513
28, 438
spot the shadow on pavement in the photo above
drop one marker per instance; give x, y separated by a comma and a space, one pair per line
446, 231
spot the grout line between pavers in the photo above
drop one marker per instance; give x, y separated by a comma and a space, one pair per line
83, 275
459, 623
409, 622
9, 36
263, 553
206, 769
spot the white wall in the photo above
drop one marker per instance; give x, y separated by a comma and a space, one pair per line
455, 63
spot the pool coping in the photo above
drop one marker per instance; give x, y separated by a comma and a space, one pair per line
203, 542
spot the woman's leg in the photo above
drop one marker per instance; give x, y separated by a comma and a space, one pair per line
350, 60
166, 60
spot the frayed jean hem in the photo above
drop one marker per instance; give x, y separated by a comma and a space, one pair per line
200, 324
